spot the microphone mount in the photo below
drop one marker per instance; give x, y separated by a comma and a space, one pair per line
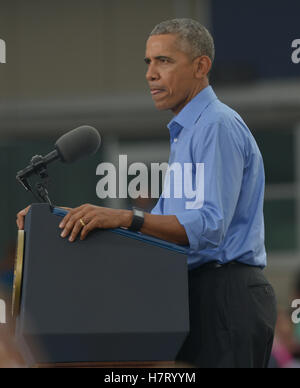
69, 148
38, 166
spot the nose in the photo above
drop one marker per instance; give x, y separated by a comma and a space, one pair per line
152, 74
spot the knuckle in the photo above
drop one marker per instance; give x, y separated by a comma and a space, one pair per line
66, 218
69, 225
78, 226
73, 219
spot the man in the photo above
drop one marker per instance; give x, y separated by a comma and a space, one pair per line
232, 306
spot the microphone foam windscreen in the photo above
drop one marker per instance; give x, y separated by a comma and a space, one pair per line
78, 143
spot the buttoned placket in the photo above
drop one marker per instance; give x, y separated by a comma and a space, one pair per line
175, 130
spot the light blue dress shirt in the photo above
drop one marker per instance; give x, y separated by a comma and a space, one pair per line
226, 223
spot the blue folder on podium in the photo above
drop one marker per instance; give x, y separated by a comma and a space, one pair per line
117, 296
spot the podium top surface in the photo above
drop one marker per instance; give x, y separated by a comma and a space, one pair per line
138, 236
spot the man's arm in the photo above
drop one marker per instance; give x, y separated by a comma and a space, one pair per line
166, 228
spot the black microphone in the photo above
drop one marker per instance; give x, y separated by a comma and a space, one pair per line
70, 147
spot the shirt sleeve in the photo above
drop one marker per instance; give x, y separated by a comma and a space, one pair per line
156, 210
220, 149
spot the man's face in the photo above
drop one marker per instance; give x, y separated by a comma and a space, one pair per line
170, 73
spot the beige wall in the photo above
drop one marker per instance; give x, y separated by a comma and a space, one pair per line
72, 48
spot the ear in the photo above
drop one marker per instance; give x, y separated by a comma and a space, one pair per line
202, 67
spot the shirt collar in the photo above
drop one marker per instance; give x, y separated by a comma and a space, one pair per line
190, 114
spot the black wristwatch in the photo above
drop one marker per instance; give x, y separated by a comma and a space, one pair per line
138, 220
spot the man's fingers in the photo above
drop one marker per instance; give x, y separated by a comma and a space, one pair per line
88, 228
22, 214
76, 229
66, 219
69, 222
71, 214
20, 217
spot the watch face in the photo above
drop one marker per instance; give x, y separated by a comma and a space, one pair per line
139, 213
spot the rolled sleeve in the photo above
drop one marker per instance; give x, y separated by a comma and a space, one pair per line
223, 159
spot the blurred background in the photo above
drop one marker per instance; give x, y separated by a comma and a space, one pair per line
81, 62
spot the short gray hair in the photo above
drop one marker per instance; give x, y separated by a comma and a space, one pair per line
196, 39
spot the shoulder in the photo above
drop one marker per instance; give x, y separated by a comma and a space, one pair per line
222, 129
220, 121
220, 115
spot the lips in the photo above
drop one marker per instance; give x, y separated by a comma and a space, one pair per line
156, 91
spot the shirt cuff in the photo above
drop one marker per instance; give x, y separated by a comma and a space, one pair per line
191, 220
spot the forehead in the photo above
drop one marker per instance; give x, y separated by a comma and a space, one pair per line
162, 45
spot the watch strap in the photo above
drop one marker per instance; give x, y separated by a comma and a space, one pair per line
137, 220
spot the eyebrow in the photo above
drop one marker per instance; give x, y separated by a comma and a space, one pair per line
148, 60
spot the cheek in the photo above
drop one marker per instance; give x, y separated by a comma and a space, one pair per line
176, 91
172, 86
169, 80
176, 84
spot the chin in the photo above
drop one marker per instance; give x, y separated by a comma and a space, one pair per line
162, 107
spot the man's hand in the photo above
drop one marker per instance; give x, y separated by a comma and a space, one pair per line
87, 217
21, 216
23, 213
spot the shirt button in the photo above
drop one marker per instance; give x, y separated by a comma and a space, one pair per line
175, 140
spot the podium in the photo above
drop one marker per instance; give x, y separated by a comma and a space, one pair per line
116, 297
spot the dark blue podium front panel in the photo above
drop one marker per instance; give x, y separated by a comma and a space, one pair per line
108, 298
